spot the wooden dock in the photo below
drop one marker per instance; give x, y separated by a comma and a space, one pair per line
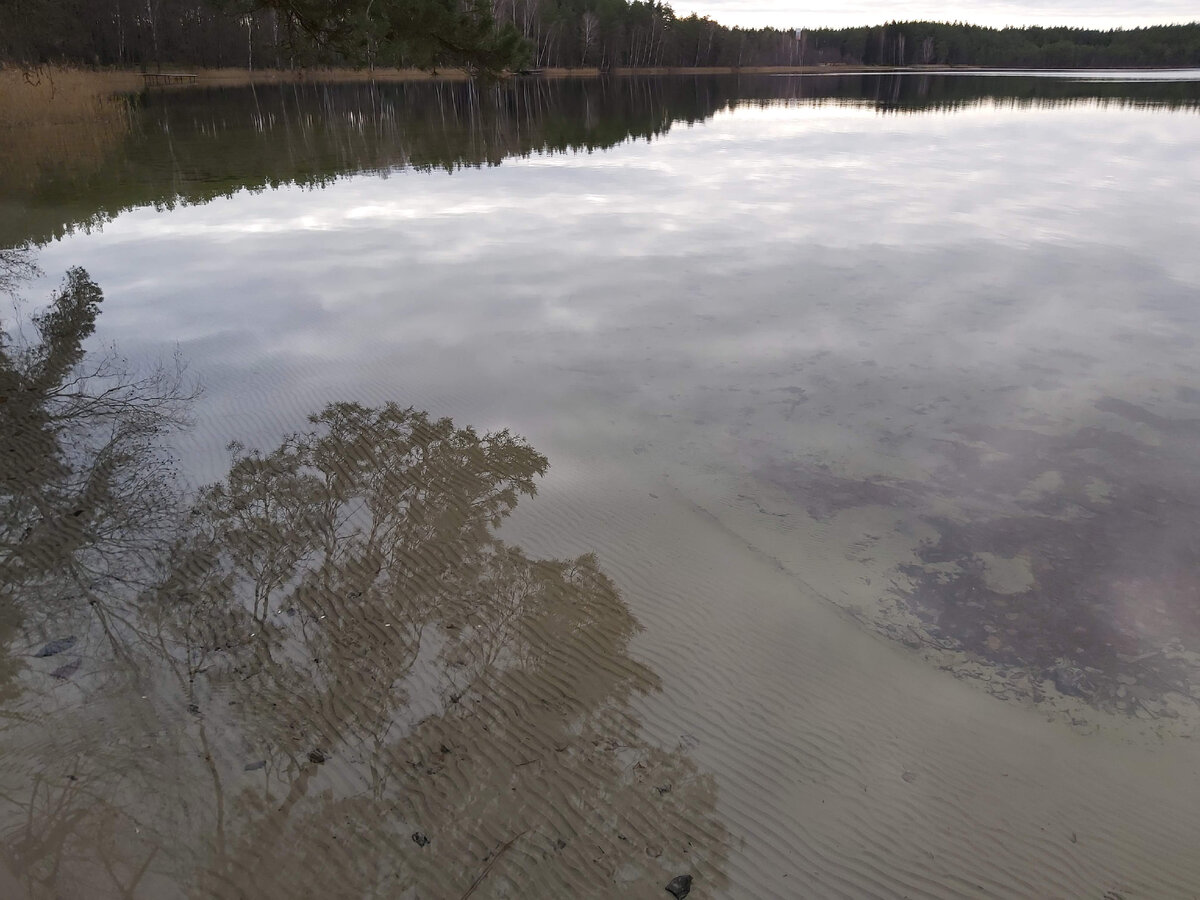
159, 78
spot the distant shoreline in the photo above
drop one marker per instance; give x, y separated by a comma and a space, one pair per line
132, 79
49, 95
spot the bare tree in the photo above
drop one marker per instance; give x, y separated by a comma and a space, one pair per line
16, 266
589, 28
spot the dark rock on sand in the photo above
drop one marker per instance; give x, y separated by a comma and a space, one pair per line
680, 886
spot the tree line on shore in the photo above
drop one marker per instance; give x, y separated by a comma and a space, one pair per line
493, 35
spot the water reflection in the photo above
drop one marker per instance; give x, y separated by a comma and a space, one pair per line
325, 676
87, 503
193, 146
87, 493
16, 267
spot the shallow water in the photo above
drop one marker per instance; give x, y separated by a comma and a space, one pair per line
819, 516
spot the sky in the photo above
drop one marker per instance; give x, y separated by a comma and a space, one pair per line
829, 13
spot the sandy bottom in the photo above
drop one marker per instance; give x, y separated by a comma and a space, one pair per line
847, 765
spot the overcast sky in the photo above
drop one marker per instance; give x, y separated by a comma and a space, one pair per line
814, 13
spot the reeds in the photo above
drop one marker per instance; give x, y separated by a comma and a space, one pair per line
54, 119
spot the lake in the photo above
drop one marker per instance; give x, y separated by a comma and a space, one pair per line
758, 486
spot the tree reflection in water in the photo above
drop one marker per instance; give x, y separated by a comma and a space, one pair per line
329, 677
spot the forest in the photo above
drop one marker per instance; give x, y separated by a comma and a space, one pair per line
499, 35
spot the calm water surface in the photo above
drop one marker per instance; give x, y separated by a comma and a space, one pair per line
556, 489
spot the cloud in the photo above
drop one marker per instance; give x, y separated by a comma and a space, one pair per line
822, 13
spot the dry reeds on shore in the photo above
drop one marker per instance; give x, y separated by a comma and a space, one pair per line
50, 94
59, 118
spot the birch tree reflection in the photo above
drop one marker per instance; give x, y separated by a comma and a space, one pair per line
324, 676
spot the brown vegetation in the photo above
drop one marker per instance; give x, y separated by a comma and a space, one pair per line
71, 117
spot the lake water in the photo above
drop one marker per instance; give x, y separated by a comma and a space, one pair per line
558, 489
